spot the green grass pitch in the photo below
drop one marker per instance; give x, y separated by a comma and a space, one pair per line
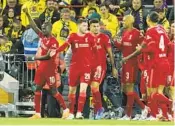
46, 121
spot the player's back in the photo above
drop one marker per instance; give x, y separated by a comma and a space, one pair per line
157, 43
81, 49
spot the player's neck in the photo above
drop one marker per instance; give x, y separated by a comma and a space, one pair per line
80, 34
129, 28
153, 25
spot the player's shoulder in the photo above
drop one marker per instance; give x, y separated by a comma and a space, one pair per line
103, 36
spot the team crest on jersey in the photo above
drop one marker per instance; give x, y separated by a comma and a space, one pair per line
130, 37
86, 40
76, 45
98, 40
148, 37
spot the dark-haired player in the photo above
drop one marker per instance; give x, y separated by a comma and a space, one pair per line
154, 49
102, 48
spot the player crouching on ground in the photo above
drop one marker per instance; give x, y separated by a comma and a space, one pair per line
48, 66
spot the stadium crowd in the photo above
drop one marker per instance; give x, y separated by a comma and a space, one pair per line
85, 37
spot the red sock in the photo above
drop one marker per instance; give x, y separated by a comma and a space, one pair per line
81, 101
97, 99
71, 98
130, 101
37, 101
138, 101
60, 99
95, 106
153, 106
164, 110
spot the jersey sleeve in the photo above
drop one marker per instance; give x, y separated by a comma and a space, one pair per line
70, 39
40, 34
107, 42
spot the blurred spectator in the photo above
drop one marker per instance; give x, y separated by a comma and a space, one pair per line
160, 4
118, 7
3, 4
35, 8
2, 30
12, 4
171, 15
9, 19
73, 16
30, 39
50, 14
162, 19
5, 44
139, 13
64, 27
90, 4
109, 20
14, 35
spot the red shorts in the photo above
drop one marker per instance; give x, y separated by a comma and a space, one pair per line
158, 75
144, 81
98, 73
45, 75
79, 75
129, 73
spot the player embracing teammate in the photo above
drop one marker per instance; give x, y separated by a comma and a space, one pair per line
154, 51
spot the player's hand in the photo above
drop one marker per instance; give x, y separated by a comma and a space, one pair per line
52, 52
124, 60
138, 47
114, 73
30, 58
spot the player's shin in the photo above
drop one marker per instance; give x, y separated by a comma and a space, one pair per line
82, 96
37, 101
96, 95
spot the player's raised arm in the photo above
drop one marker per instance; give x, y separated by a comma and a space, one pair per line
32, 23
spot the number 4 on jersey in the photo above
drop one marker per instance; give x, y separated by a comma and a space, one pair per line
161, 43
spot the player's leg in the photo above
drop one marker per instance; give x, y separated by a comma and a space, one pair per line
60, 100
98, 75
84, 82
52, 78
39, 82
73, 77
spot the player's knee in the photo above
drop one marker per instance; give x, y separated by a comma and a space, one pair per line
72, 90
83, 87
53, 91
38, 88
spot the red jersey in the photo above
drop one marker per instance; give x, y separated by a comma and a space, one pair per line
156, 41
128, 43
102, 43
82, 49
48, 43
171, 47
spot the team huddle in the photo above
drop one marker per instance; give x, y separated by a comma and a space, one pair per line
152, 53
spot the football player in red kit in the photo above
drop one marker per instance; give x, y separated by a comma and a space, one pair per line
48, 66
171, 61
102, 48
129, 40
80, 67
155, 46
